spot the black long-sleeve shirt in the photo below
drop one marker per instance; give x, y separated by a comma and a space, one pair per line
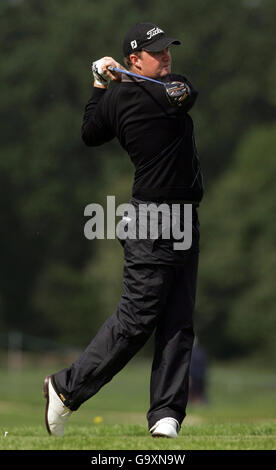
158, 137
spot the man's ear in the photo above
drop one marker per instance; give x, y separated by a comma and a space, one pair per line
135, 60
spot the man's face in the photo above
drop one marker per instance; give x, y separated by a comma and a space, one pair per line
154, 64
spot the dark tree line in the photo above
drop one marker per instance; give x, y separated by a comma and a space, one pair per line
54, 282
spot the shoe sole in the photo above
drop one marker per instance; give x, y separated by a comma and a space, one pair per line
46, 396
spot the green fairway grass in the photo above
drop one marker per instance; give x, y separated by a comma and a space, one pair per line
240, 413
135, 437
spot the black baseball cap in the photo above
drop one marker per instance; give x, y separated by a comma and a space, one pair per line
146, 37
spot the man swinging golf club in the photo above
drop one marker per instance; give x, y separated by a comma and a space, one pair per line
159, 284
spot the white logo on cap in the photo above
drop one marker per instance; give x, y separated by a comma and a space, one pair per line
152, 32
133, 44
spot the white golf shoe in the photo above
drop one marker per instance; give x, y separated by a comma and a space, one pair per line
165, 427
56, 413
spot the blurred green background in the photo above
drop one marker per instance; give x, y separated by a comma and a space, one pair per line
57, 287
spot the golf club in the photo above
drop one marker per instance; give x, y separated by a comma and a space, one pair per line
176, 91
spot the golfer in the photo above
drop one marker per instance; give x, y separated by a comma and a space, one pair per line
159, 282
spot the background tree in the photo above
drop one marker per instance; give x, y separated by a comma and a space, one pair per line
236, 310
54, 282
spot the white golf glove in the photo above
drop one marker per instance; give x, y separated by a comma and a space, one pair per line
99, 77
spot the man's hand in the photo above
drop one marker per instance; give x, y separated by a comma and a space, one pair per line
102, 75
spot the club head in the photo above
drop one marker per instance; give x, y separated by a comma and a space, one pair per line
176, 92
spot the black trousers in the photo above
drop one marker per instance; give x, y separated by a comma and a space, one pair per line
157, 298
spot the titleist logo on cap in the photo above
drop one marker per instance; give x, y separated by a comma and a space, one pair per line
152, 32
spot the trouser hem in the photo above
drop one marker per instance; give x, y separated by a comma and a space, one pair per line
63, 395
165, 413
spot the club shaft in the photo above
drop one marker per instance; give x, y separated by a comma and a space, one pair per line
132, 74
